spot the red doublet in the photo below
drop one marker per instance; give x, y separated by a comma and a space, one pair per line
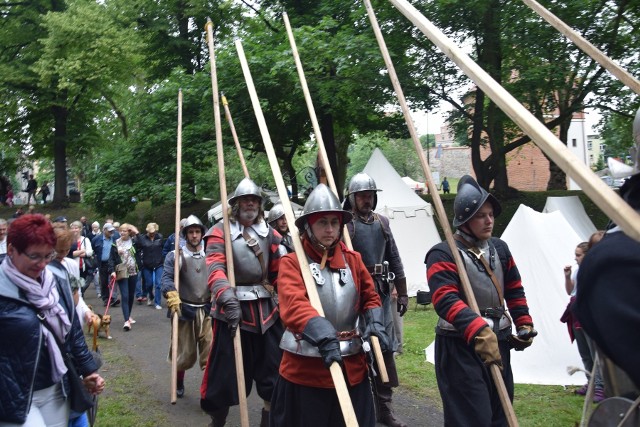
296, 311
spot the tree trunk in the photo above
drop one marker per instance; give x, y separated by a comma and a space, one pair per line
338, 169
60, 118
557, 177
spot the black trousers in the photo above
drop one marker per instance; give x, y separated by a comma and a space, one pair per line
295, 405
261, 356
469, 396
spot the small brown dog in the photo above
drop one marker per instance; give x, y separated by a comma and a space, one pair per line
99, 323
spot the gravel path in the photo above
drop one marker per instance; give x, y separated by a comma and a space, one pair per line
147, 345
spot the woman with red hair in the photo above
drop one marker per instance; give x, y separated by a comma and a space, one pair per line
37, 312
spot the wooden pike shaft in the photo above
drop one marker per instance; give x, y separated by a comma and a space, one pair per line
312, 292
377, 351
242, 393
603, 196
444, 222
227, 113
620, 73
176, 265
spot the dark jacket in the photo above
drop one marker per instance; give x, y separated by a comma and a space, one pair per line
24, 359
150, 250
114, 257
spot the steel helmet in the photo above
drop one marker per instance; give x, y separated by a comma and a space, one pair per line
190, 221
322, 199
470, 199
276, 212
361, 182
245, 188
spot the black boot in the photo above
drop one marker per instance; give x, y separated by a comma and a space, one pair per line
180, 388
264, 419
385, 410
219, 417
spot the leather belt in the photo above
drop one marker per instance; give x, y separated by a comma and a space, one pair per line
252, 292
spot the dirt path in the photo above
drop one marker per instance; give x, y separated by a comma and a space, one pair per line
146, 347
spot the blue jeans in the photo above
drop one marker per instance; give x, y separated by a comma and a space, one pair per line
127, 289
139, 292
152, 279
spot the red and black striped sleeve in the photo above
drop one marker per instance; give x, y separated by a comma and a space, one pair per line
446, 293
514, 294
275, 255
216, 260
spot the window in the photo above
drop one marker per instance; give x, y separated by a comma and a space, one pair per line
574, 142
589, 145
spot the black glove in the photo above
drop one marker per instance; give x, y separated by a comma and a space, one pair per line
321, 333
374, 319
231, 306
523, 339
403, 303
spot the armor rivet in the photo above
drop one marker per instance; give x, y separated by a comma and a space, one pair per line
466, 210
475, 201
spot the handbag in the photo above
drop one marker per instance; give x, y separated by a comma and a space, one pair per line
79, 397
122, 272
91, 263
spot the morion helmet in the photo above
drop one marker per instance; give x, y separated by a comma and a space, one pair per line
190, 221
322, 199
246, 188
276, 212
470, 199
360, 182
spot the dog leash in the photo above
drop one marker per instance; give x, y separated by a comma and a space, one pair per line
112, 284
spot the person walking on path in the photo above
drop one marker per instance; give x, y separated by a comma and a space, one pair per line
278, 222
192, 302
104, 246
127, 285
445, 186
32, 187
371, 236
250, 306
150, 247
467, 343
304, 394
44, 192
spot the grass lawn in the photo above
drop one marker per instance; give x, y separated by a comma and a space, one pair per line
534, 405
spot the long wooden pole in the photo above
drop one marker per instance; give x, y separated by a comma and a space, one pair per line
620, 73
242, 392
603, 196
324, 159
227, 114
312, 292
176, 264
442, 216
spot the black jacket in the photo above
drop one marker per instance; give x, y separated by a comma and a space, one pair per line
24, 359
150, 250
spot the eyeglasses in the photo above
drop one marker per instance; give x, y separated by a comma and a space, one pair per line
39, 258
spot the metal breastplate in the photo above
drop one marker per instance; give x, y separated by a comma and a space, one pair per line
193, 287
368, 239
246, 263
339, 296
483, 288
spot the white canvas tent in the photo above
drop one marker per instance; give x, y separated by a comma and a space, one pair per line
573, 210
410, 217
541, 245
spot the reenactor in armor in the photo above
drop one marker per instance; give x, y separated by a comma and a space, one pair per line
305, 392
607, 306
250, 306
467, 343
277, 220
192, 302
371, 236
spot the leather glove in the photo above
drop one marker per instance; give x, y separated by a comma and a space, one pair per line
403, 304
523, 339
403, 299
321, 333
231, 306
173, 302
486, 345
374, 319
